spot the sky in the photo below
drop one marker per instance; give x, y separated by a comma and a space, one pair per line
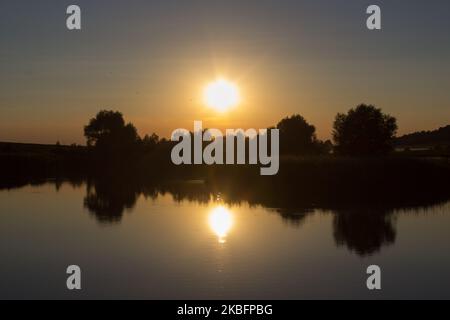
151, 60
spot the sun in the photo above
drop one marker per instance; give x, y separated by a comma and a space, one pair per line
221, 95
221, 221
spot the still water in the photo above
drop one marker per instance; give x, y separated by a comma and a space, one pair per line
161, 245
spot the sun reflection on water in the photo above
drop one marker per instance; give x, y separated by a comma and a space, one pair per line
221, 222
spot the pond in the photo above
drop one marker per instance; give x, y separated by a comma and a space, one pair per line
164, 244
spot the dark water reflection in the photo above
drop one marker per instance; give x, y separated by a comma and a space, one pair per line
364, 230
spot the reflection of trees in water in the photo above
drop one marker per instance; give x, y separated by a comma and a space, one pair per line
362, 228
107, 201
364, 231
295, 217
191, 191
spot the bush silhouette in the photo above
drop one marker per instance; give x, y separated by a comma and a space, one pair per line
364, 131
109, 134
297, 137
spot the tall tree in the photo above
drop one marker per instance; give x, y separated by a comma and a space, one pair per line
365, 130
108, 133
297, 136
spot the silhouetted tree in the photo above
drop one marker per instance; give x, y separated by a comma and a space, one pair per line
325, 147
109, 134
297, 137
364, 130
149, 143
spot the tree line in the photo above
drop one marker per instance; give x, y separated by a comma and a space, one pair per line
363, 131
435, 138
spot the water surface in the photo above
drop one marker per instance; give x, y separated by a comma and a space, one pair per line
168, 245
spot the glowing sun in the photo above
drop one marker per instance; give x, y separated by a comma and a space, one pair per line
221, 95
221, 221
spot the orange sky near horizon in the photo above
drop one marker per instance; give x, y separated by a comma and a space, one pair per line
151, 61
